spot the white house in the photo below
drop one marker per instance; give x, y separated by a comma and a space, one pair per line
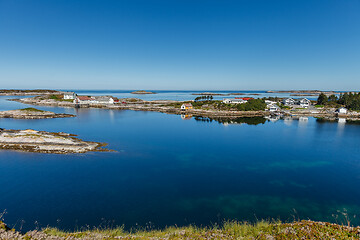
234, 101
104, 100
268, 102
288, 101
304, 103
69, 95
273, 108
342, 110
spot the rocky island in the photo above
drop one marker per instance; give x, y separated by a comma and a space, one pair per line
142, 92
32, 113
45, 142
209, 94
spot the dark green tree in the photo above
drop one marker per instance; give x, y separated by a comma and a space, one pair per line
333, 98
322, 99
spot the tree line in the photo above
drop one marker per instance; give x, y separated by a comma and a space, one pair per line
349, 100
204, 98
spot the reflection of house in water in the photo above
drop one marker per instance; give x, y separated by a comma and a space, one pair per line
288, 120
186, 116
342, 120
273, 118
303, 119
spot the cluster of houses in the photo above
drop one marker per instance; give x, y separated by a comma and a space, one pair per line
271, 105
303, 102
90, 99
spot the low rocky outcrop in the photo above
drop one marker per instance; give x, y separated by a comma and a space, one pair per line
46, 142
143, 92
32, 113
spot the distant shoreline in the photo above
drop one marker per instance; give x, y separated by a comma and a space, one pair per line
15, 92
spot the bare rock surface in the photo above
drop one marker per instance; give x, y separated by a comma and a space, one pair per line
45, 142
32, 113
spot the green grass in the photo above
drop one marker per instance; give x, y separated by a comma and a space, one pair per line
59, 98
31, 110
229, 230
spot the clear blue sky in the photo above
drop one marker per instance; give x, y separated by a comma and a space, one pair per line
180, 44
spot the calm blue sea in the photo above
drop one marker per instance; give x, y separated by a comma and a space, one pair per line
168, 171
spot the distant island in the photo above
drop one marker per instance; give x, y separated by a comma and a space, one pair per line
209, 94
142, 92
45, 142
16, 92
311, 92
32, 113
223, 94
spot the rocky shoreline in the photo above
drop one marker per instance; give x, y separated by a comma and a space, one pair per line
168, 107
32, 113
46, 142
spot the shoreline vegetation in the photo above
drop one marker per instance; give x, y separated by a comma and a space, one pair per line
46, 142
229, 230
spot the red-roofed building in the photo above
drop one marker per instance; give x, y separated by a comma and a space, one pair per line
83, 99
244, 98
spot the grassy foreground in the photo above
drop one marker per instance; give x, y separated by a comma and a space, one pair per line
229, 230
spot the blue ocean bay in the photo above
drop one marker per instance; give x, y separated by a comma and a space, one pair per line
167, 171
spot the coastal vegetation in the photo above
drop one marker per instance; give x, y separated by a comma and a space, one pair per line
59, 97
250, 105
227, 230
30, 109
349, 100
206, 97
